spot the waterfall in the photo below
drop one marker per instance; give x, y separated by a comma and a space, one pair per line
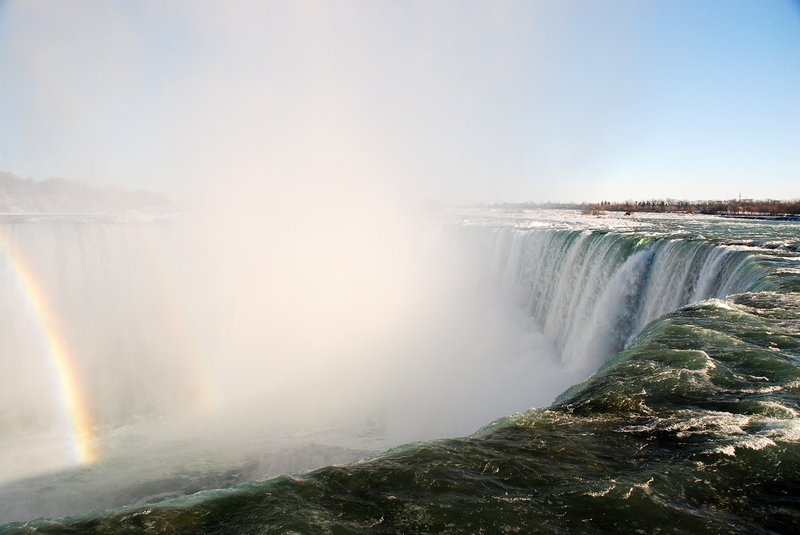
87, 306
126, 315
146, 353
592, 292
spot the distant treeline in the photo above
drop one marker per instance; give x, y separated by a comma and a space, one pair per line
732, 207
58, 195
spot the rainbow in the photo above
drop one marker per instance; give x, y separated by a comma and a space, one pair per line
81, 425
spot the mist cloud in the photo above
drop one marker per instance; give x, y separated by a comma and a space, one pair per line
453, 101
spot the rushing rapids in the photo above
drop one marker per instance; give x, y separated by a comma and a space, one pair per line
691, 423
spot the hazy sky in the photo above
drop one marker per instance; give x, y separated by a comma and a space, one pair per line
458, 101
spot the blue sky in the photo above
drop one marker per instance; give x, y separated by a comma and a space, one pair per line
457, 101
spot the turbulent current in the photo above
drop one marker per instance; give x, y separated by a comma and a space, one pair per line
680, 336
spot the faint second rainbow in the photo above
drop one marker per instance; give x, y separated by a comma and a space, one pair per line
81, 425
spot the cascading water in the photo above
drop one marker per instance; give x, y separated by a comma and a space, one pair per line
592, 292
152, 358
193, 380
94, 279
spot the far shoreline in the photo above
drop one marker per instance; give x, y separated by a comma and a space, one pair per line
767, 210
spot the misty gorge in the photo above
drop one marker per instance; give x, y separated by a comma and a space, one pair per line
161, 347
158, 355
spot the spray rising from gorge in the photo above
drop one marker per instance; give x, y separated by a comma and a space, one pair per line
247, 332
215, 350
